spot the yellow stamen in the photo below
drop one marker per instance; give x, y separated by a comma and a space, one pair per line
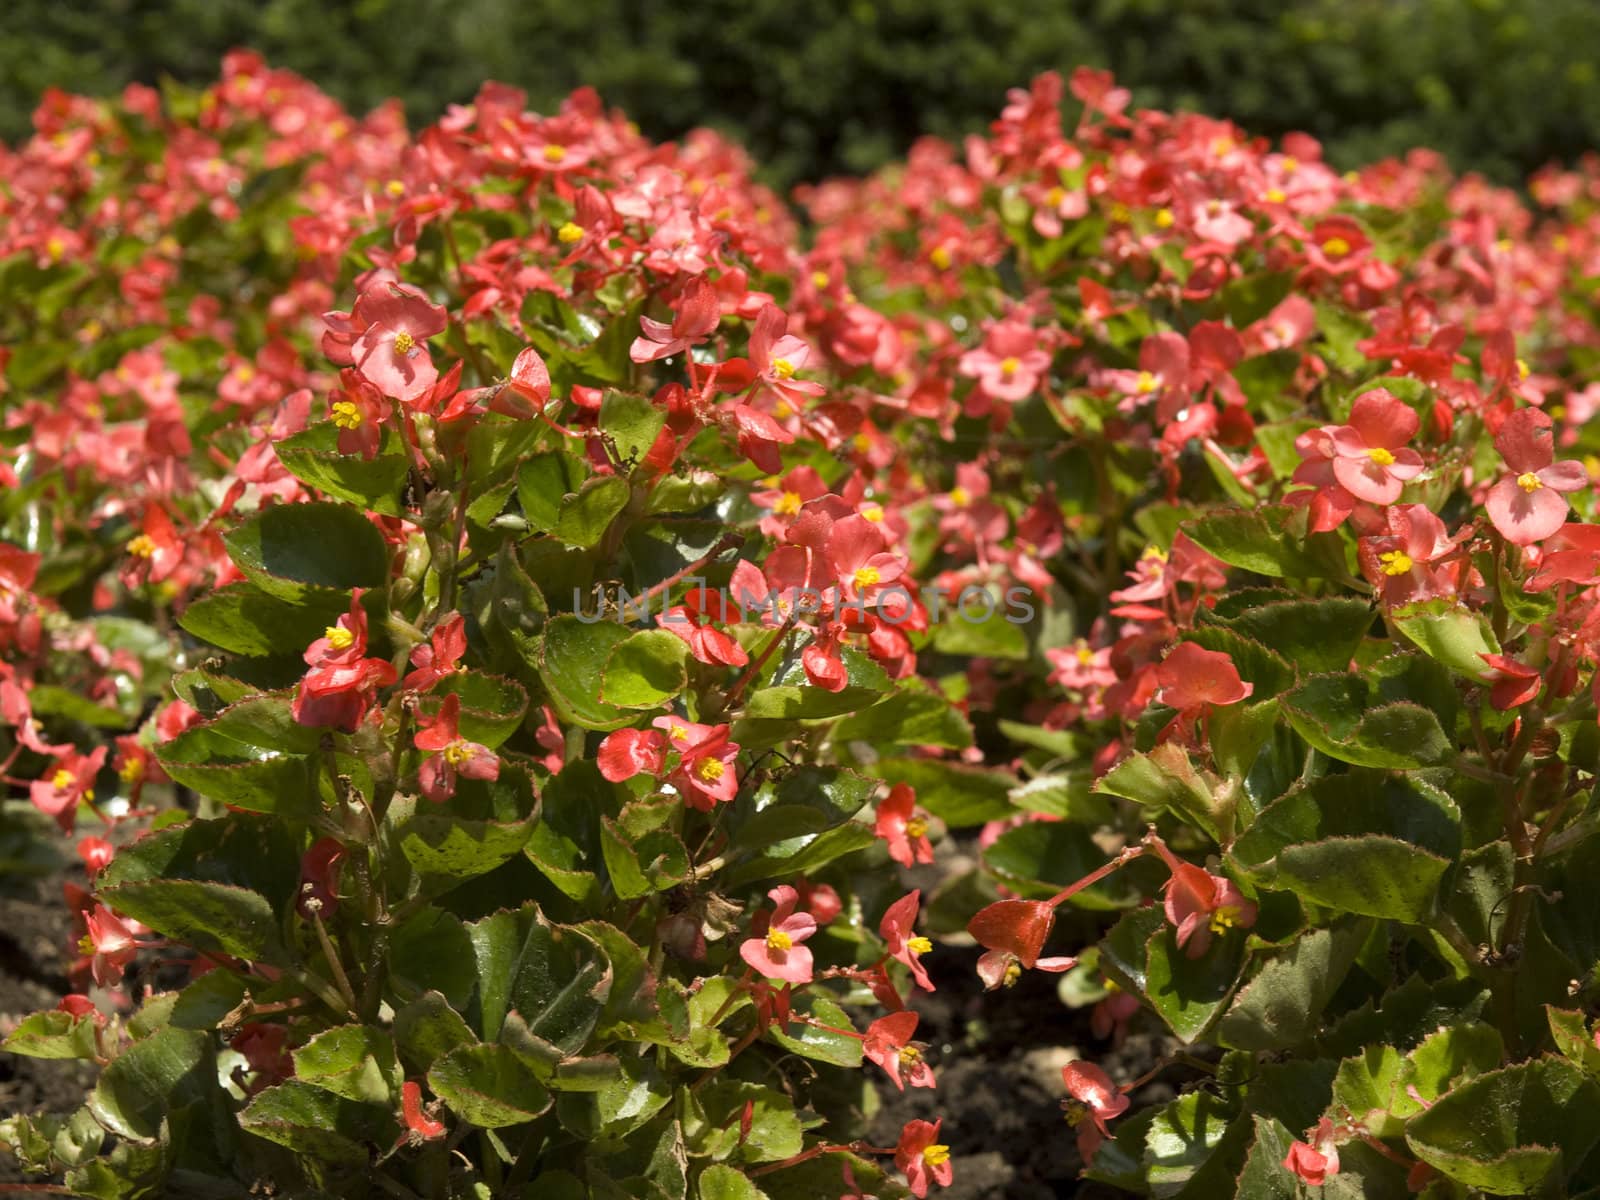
1008, 367
1395, 562
909, 1055
1290, 164
1164, 218
554, 153
819, 280
457, 753
569, 233
1084, 655
960, 497
346, 415
132, 770
783, 368
1384, 458
788, 504
783, 410
678, 733
1147, 383
916, 827
1336, 247
1523, 371
1120, 213
777, 939
1012, 974
143, 546
339, 637
873, 512
940, 257
918, 945
1224, 919
395, 188
710, 769
1055, 196
1529, 482
866, 576
936, 1155
404, 342
1275, 196
61, 780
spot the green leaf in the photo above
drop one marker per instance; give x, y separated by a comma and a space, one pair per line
492, 707
556, 978
643, 852
822, 1045
632, 422
1316, 635
1167, 780
719, 1182
448, 849
572, 663
353, 1061
243, 850
1263, 540
150, 1078
53, 1034
213, 917
292, 550
907, 716
488, 1086
1039, 858
1184, 1142
1141, 953
986, 629
1339, 715
427, 1029
1264, 1175
645, 670
312, 456
1570, 1032
1360, 842
242, 776
957, 794
244, 619
1450, 634
1506, 1132
790, 696
315, 1122
775, 1130
1282, 1004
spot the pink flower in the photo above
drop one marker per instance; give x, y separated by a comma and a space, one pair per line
111, 940
921, 1157
96, 853
909, 948
71, 781
454, 754
1093, 1097
1527, 506
1009, 363
778, 954
1200, 905
1193, 678
904, 827
860, 557
778, 357
1371, 460
391, 352
705, 773
440, 656
888, 1043
694, 319
1399, 563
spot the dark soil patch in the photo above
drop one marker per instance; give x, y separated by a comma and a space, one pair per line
998, 1058
35, 934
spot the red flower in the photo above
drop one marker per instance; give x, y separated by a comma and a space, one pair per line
1514, 683
705, 773
630, 752
909, 948
111, 940
693, 622
440, 656
904, 827
156, 552
1398, 562
419, 1126
1528, 506
1193, 678
1315, 1158
96, 853
1091, 1095
778, 953
454, 754
1014, 932
358, 411
921, 1156
59, 792
1201, 905
888, 1043
319, 879
694, 319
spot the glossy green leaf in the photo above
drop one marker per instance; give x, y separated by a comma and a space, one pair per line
488, 1086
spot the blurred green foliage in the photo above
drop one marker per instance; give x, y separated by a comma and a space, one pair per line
815, 87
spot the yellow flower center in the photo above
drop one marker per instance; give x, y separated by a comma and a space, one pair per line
783, 410
1224, 919
1275, 196
940, 257
1084, 655
1012, 974
1147, 383
677, 733
866, 576
1523, 371
1120, 213
457, 753
1164, 218
788, 504
61, 780
960, 497
819, 280
345, 413
710, 769
143, 546
404, 343
395, 188
1290, 164
916, 827
936, 1155
1395, 562
1336, 247
783, 368
339, 637
569, 233
131, 770
1384, 458
909, 1055
777, 939
1008, 367
554, 153
1529, 482
873, 512
861, 442
918, 945
1075, 1111
1055, 196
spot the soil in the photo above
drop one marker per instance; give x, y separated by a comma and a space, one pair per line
35, 932
998, 1057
